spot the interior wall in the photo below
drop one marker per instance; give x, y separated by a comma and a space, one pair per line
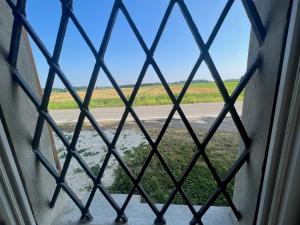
14, 205
279, 192
21, 116
258, 104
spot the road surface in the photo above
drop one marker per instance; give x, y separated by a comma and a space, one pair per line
192, 111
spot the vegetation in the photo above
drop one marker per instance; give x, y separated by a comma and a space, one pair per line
149, 94
177, 148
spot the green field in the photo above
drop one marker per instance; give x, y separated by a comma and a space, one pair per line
177, 148
151, 94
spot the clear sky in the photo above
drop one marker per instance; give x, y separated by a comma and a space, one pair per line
176, 53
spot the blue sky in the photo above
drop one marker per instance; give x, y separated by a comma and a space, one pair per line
176, 52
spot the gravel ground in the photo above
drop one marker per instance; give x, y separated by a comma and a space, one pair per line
93, 150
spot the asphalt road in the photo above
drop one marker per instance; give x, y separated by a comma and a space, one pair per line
192, 111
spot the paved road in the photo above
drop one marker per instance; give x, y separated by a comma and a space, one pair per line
192, 111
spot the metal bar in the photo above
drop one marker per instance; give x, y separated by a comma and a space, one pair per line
91, 196
20, 20
82, 32
72, 195
213, 34
228, 101
55, 128
16, 31
29, 92
167, 13
83, 164
255, 19
189, 128
239, 125
234, 169
48, 57
68, 85
145, 66
214, 71
50, 79
193, 162
219, 182
89, 93
60, 180
203, 48
34, 36
219, 23
53, 125
43, 115
46, 164
222, 88
133, 179
108, 197
98, 128
246, 78
23, 84
11, 5
87, 99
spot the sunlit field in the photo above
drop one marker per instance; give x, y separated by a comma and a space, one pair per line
150, 94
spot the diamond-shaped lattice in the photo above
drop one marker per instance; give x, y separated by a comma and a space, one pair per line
72, 153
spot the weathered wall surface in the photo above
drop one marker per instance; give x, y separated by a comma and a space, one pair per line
21, 116
258, 103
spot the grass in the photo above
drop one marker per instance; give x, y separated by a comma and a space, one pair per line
78, 170
87, 154
148, 95
95, 169
177, 149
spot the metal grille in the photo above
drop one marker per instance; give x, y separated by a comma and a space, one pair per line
20, 21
